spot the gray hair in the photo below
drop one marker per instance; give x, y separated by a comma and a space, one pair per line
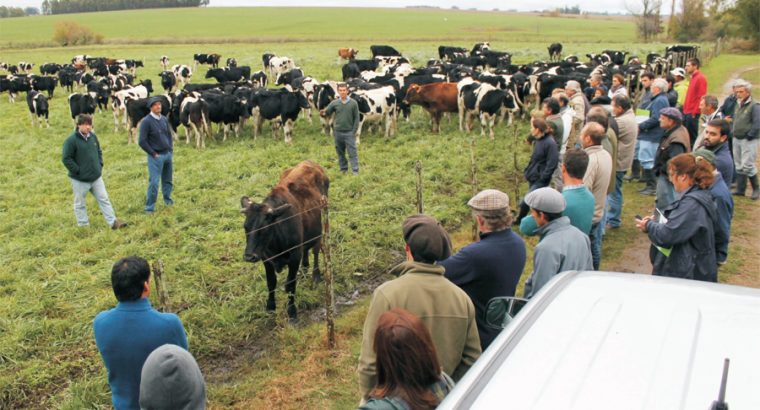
711, 100
497, 219
597, 77
742, 83
661, 84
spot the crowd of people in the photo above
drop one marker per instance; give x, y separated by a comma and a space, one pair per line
426, 328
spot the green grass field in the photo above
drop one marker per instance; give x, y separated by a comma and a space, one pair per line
55, 277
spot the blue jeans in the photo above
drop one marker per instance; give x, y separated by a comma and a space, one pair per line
666, 193
159, 169
615, 201
346, 141
98, 189
595, 236
647, 152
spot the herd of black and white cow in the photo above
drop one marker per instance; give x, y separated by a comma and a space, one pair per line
488, 86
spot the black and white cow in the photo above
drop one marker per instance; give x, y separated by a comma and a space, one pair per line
99, 90
17, 85
382, 50
168, 81
448, 53
384, 61
164, 61
192, 111
83, 78
376, 106
480, 48
226, 74
615, 56
210, 59
232, 62
288, 77
485, 101
25, 67
555, 51
80, 59
278, 103
44, 83
38, 107
119, 102
119, 82
279, 65
324, 94
82, 104
66, 78
259, 79
226, 110
182, 73
132, 65
50, 68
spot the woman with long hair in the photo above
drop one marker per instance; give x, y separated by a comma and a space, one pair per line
683, 237
409, 376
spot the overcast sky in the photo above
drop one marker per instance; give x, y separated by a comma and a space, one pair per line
611, 6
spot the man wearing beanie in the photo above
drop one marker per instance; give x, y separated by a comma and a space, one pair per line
171, 380
492, 266
421, 288
562, 246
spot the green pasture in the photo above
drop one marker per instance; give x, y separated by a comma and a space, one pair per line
262, 24
55, 277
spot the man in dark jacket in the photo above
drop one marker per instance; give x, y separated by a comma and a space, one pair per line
84, 160
675, 141
156, 141
650, 135
746, 136
491, 267
724, 207
716, 140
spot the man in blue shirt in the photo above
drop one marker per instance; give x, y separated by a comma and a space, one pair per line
491, 267
127, 334
156, 141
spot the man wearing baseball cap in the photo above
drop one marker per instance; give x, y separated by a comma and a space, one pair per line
492, 266
562, 246
681, 84
156, 141
446, 310
675, 141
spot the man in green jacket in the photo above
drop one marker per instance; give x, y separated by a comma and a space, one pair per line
421, 288
346, 123
84, 160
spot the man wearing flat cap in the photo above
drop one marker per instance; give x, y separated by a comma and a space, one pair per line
156, 141
675, 141
724, 204
491, 267
446, 310
562, 246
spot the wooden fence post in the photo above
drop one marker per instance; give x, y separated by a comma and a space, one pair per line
418, 169
161, 289
329, 290
474, 182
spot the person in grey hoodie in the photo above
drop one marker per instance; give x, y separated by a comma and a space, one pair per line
562, 246
171, 380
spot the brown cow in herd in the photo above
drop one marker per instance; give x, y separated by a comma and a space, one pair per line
435, 98
347, 53
282, 229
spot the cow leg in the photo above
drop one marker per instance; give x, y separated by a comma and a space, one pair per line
436, 117
187, 134
316, 274
257, 126
47, 122
271, 285
288, 130
359, 131
290, 284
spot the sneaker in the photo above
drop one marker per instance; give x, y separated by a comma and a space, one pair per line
117, 224
355, 172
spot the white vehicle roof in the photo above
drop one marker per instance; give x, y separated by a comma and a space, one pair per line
598, 340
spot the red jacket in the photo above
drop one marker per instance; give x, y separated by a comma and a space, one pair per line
697, 90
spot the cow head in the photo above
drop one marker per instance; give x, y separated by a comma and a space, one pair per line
259, 227
412, 94
148, 85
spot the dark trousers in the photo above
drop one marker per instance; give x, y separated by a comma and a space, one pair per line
691, 122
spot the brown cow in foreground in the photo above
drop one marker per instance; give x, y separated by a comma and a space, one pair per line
436, 99
282, 229
347, 53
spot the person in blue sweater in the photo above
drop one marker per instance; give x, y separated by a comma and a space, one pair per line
543, 161
724, 206
650, 135
127, 334
156, 141
491, 267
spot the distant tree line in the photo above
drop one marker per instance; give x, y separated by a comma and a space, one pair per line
6, 12
85, 6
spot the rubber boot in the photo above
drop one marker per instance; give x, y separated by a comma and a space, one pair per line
741, 185
755, 187
635, 171
651, 187
524, 210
